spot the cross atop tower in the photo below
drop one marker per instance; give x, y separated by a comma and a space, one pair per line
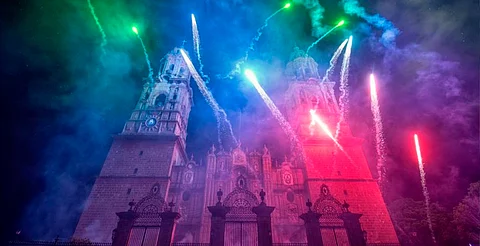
183, 43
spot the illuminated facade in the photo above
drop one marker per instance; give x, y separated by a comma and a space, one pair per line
148, 164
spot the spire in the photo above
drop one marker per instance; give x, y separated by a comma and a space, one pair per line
297, 52
265, 150
212, 150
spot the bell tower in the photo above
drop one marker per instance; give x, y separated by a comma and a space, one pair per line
164, 106
143, 155
344, 171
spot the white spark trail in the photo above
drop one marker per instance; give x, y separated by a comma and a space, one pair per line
379, 137
196, 46
296, 145
424, 187
344, 87
223, 124
334, 60
104, 37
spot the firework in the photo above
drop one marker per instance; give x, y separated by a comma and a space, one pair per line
334, 60
150, 70
196, 47
424, 186
379, 137
324, 35
104, 37
295, 143
344, 87
223, 124
238, 65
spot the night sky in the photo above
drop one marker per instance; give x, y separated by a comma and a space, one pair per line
63, 99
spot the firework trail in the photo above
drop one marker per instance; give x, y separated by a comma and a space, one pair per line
296, 146
316, 120
223, 124
380, 140
424, 187
196, 47
150, 70
260, 30
343, 87
324, 35
334, 60
104, 37
238, 65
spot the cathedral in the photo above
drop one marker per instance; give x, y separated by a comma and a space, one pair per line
148, 164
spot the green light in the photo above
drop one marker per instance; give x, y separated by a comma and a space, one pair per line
287, 6
341, 23
251, 76
134, 29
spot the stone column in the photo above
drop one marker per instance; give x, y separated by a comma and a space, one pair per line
125, 223
264, 221
167, 227
352, 225
312, 226
217, 225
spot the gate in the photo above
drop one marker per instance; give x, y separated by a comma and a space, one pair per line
146, 229
332, 227
241, 222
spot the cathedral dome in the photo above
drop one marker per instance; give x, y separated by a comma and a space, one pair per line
301, 66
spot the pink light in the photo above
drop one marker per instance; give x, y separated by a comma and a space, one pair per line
316, 118
324, 127
373, 89
417, 148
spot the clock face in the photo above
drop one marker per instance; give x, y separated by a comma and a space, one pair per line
151, 122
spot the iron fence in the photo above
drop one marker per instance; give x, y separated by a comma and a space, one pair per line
383, 244
190, 244
56, 243
289, 244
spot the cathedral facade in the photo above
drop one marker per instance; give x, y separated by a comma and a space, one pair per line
148, 164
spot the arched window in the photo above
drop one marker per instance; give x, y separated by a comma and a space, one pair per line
175, 94
308, 72
290, 196
181, 73
170, 68
241, 182
186, 196
160, 100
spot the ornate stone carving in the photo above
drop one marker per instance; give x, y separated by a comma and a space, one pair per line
152, 203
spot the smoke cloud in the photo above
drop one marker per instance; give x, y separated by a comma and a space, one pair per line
316, 12
390, 32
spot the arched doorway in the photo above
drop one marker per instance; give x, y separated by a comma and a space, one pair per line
241, 222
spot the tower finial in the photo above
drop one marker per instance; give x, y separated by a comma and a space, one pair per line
183, 43
309, 204
219, 196
262, 195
